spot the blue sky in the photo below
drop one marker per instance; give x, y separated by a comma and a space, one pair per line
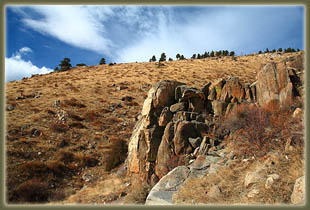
39, 37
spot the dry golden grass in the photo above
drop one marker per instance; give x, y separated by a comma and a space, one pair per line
90, 100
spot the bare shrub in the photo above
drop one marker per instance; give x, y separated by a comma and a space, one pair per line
138, 193
59, 127
258, 130
33, 190
74, 102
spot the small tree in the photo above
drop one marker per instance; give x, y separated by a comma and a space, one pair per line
162, 57
182, 57
232, 53
274, 50
267, 50
218, 53
170, 59
260, 52
298, 49
56, 69
65, 64
153, 58
102, 61
194, 56
212, 54
280, 49
178, 56
198, 56
81, 64
206, 55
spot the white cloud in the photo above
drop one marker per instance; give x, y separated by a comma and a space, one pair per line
135, 33
25, 50
16, 68
233, 28
74, 25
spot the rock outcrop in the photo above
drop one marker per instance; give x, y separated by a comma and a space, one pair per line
174, 125
147, 134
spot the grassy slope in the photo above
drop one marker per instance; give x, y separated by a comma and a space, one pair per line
56, 158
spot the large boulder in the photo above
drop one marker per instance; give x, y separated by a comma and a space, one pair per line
274, 84
165, 152
162, 192
232, 89
147, 134
175, 145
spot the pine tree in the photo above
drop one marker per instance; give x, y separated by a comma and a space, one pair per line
206, 55
212, 54
65, 64
280, 49
178, 56
232, 53
162, 57
194, 56
153, 58
198, 56
102, 61
182, 57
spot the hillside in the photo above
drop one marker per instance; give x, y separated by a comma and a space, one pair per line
68, 132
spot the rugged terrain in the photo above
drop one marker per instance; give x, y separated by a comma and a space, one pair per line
68, 134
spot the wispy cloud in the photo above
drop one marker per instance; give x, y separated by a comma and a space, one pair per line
135, 33
74, 25
16, 67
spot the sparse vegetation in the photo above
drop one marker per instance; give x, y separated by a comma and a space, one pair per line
81, 64
83, 138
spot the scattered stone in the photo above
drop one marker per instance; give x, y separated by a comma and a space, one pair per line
56, 103
86, 177
298, 195
251, 178
127, 98
297, 113
35, 132
214, 192
270, 180
10, 107
121, 88
253, 193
